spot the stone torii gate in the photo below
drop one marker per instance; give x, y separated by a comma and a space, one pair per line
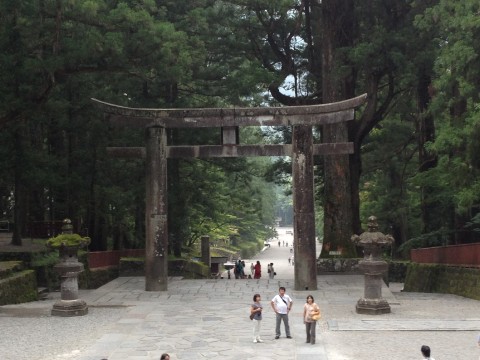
156, 152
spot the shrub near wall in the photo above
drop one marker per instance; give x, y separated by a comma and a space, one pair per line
18, 288
443, 279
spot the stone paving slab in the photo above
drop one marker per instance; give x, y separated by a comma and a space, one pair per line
404, 325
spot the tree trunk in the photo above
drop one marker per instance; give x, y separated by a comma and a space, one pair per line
20, 191
337, 17
427, 160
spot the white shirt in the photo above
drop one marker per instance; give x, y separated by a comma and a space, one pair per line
280, 305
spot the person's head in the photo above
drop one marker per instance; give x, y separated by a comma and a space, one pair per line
258, 262
165, 357
281, 290
256, 297
425, 350
310, 299
271, 264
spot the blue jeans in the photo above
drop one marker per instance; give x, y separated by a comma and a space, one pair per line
281, 317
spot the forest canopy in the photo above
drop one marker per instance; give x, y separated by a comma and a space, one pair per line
417, 154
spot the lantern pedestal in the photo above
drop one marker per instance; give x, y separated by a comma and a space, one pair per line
68, 268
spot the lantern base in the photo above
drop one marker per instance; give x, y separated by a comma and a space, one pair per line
373, 306
68, 308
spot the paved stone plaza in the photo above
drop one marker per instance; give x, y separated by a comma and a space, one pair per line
208, 319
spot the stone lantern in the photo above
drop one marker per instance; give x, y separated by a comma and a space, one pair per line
373, 266
68, 268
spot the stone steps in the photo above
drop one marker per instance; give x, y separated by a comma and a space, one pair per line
42, 293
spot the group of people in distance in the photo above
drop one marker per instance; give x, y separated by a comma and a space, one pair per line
255, 270
282, 305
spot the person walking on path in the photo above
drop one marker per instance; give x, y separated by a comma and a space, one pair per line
281, 305
309, 310
426, 352
252, 269
271, 271
478, 343
258, 270
256, 311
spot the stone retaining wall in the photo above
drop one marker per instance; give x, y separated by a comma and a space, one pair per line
443, 279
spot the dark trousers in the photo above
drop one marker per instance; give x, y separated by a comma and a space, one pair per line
310, 328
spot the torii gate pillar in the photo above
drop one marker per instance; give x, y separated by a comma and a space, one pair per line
156, 259
303, 209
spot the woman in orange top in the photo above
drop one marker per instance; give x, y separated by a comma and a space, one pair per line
310, 309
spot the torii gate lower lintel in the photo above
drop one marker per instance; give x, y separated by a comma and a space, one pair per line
302, 150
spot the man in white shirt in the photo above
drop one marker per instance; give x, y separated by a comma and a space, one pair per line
282, 304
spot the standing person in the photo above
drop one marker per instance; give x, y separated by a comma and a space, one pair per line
426, 352
271, 273
258, 270
238, 269
478, 342
252, 269
282, 304
256, 311
310, 309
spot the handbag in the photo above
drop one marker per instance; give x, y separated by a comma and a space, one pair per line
316, 315
252, 316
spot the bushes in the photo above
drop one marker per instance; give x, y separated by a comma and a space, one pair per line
18, 288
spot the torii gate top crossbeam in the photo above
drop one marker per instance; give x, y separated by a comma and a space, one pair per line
220, 117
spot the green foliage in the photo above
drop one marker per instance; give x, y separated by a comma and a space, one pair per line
434, 238
67, 240
44, 259
56, 56
18, 288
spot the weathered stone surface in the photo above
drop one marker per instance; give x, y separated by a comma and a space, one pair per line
443, 279
68, 268
156, 262
303, 209
373, 266
266, 116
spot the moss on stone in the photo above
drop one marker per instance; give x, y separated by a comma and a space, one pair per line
443, 279
67, 240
